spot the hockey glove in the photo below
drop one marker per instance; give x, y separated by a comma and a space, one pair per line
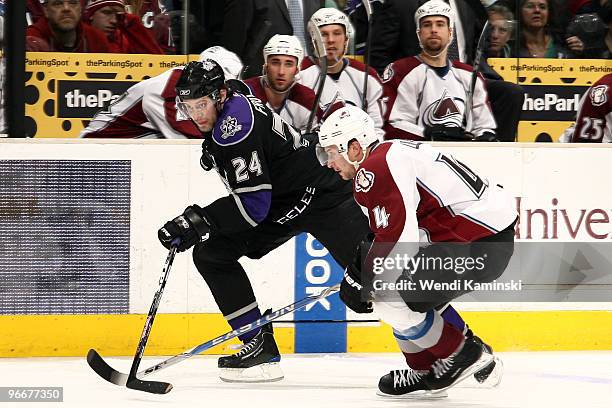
354, 292
351, 292
188, 228
486, 137
445, 134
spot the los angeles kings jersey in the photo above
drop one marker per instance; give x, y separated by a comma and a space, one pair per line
269, 170
417, 95
415, 193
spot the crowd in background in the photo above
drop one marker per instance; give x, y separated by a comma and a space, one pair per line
521, 28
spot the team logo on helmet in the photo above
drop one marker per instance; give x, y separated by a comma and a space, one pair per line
444, 111
208, 64
599, 95
229, 127
364, 180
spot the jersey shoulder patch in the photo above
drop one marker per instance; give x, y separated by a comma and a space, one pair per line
364, 180
599, 95
235, 122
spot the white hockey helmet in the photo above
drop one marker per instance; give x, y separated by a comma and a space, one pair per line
281, 44
434, 8
326, 16
230, 62
347, 124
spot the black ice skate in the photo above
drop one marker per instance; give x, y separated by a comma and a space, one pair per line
406, 384
450, 371
258, 361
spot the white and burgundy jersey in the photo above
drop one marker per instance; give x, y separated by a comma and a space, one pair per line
414, 193
417, 95
347, 86
594, 119
297, 106
145, 110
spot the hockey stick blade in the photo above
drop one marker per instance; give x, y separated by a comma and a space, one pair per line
101, 367
154, 387
97, 363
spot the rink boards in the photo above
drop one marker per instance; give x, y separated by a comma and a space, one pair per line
84, 272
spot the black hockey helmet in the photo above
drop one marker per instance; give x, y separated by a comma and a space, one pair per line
200, 78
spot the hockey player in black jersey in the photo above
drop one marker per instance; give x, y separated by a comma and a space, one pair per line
277, 188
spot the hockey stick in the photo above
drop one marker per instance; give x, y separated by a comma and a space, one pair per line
321, 52
469, 100
109, 374
366, 55
131, 380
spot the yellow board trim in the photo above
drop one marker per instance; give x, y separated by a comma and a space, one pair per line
510, 331
116, 335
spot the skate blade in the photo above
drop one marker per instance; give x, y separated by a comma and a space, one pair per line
416, 395
484, 359
494, 378
267, 372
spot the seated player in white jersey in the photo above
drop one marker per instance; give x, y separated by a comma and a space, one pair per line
278, 87
419, 202
427, 96
594, 119
345, 76
148, 108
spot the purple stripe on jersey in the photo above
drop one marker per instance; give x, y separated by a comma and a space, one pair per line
451, 316
257, 204
246, 318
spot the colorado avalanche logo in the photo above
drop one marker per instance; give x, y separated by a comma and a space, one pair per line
444, 111
599, 95
229, 127
388, 73
364, 180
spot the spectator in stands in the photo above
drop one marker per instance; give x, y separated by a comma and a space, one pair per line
124, 31
61, 30
502, 24
155, 19
34, 10
539, 37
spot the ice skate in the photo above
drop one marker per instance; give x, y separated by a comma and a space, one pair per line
258, 361
406, 384
450, 371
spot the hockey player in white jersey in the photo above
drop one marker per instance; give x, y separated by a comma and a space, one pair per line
345, 76
425, 96
278, 87
148, 108
419, 201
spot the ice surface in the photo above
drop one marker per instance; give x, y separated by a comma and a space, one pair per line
543, 379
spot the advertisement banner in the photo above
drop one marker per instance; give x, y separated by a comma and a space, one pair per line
63, 91
553, 88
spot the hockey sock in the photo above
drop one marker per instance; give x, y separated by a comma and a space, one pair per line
245, 318
450, 315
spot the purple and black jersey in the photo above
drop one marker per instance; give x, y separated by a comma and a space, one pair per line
270, 171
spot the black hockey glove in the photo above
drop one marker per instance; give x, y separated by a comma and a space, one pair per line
354, 292
486, 137
446, 134
207, 161
185, 230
